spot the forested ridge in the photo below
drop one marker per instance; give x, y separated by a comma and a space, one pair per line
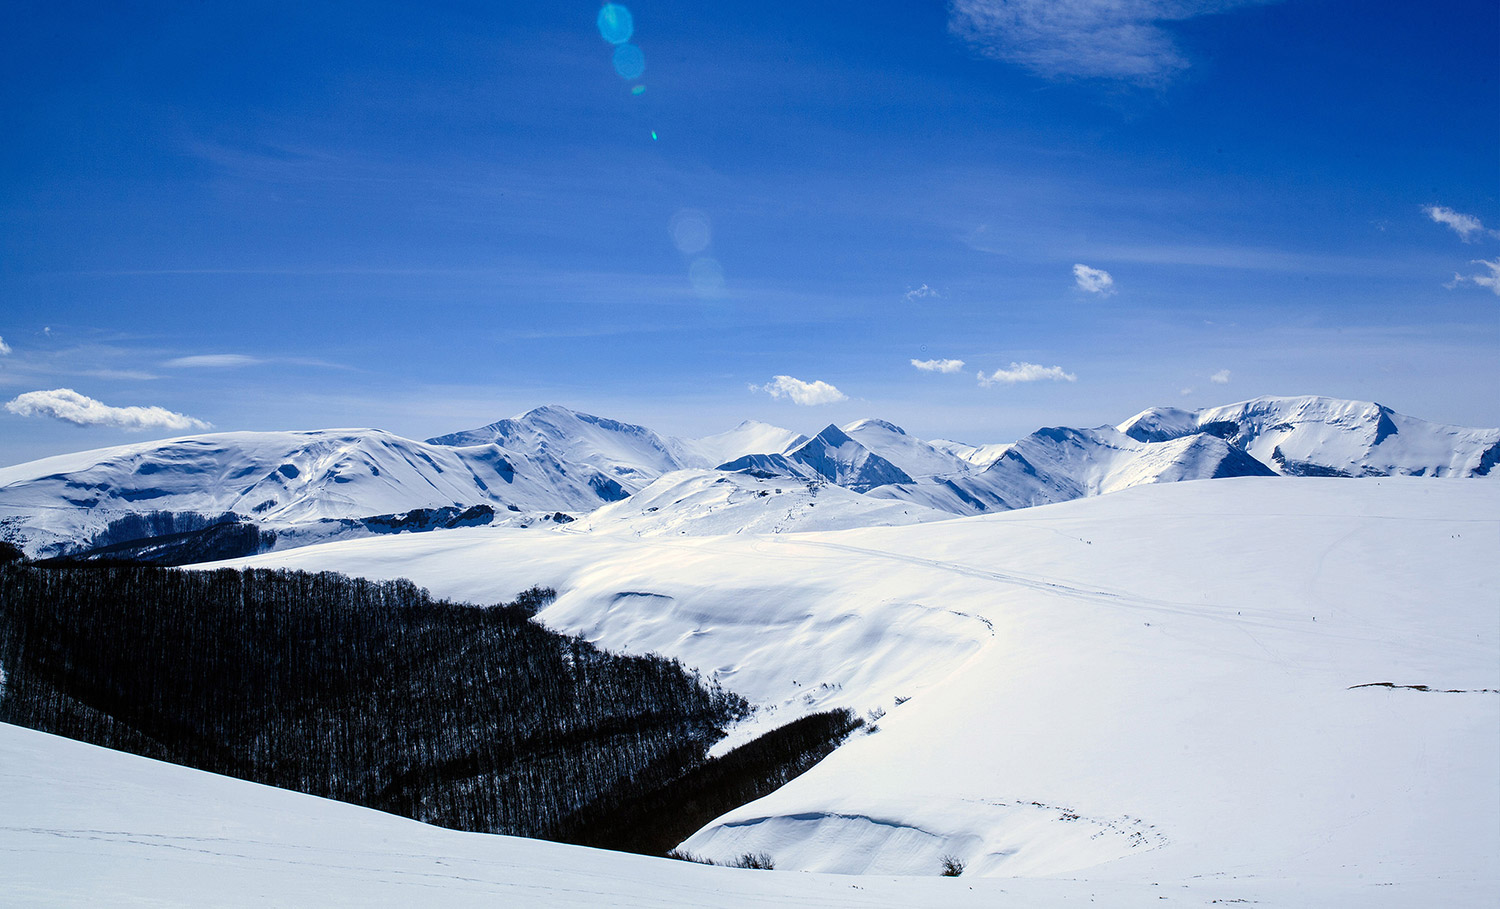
375, 693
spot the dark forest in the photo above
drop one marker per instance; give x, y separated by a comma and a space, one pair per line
475, 718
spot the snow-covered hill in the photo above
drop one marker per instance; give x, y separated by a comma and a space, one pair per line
918, 459
85, 826
1311, 436
279, 479
630, 455
712, 502
1175, 682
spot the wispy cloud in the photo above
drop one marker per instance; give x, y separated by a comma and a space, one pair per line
921, 293
1025, 372
938, 365
805, 393
1220, 378
4, 348
1491, 280
71, 407
1106, 39
213, 361
1468, 227
1093, 280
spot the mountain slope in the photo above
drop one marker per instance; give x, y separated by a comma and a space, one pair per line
88, 826
628, 454
918, 459
749, 438
278, 479
709, 502
839, 459
1060, 464
1315, 436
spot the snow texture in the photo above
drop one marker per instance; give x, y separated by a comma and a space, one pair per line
1177, 684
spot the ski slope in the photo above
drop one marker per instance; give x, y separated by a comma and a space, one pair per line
1169, 684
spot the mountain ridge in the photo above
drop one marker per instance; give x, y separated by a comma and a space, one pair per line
320, 484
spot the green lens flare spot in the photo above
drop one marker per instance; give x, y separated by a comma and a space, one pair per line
638, 89
653, 135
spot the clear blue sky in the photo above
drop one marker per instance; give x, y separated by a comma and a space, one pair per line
424, 217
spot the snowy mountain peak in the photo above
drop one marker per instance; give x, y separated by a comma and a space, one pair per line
751, 437
871, 423
844, 462
628, 454
1320, 436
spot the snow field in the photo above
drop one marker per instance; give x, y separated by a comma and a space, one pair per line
1150, 685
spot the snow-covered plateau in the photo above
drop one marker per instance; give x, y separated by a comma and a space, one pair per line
1289, 687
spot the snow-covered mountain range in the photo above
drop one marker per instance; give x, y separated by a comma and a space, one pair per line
312, 486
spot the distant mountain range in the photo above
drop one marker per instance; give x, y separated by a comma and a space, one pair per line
552, 464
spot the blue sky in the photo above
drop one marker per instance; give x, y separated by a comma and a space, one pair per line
424, 217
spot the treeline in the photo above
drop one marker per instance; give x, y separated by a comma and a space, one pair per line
369, 692
186, 537
654, 819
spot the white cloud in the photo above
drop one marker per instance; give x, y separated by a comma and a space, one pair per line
71, 407
1466, 226
1025, 372
1491, 280
1185, 392
804, 393
213, 361
4, 348
1093, 280
1108, 39
1220, 378
938, 365
920, 293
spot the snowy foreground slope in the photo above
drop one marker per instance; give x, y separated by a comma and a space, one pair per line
1173, 684
85, 826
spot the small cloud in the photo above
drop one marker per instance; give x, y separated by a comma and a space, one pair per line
1025, 372
1466, 226
807, 394
213, 361
1186, 391
4, 348
1491, 280
922, 293
1220, 378
1105, 39
71, 407
938, 365
1093, 280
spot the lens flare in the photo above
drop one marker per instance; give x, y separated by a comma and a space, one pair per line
637, 89
629, 61
691, 232
615, 24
